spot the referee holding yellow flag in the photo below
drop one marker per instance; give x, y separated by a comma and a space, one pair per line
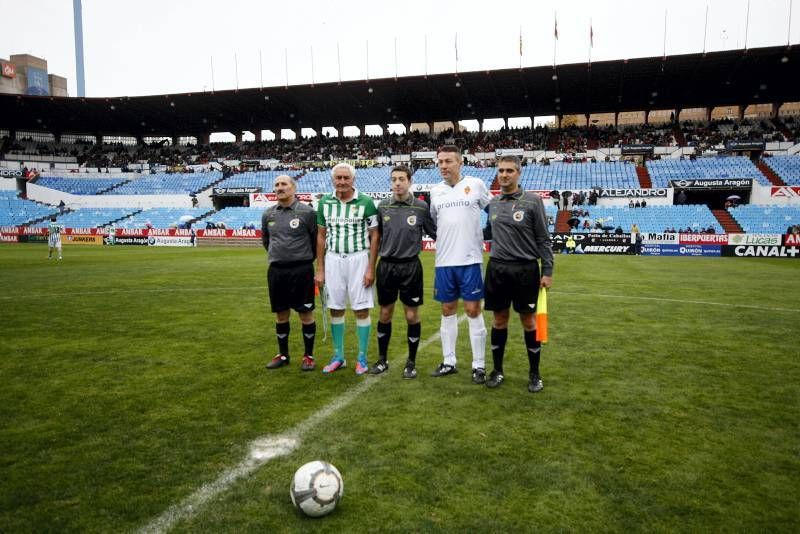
517, 226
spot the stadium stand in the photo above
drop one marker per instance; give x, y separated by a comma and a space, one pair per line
652, 218
761, 219
716, 134
16, 211
79, 186
579, 176
367, 179
91, 217
161, 217
787, 167
568, 140
318, 182
234, 218
431, 175
168, 184
662, 171
262, 179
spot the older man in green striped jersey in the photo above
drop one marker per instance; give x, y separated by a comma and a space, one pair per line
347, 249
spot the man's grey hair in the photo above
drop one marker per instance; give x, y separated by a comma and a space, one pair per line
510, 159
343, 165
290, 178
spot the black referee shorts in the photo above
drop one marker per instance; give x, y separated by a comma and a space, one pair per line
508, 282
291, 286
403, 278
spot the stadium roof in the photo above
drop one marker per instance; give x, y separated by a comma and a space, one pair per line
736, 77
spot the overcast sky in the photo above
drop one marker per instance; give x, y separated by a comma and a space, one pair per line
146, 47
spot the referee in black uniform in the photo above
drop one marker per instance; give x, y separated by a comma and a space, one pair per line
402, 221
517, 226
289, 233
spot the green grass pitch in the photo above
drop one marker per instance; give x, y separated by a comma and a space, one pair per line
133, 376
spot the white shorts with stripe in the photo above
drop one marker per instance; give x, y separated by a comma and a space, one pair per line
54, 241
344, 280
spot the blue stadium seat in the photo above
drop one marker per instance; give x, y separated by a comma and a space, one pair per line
760, 219
234, 218
787, 167
160, 217
652, 218
91, 217
78, 186
167, 184
664, 170
262, 179
15, 211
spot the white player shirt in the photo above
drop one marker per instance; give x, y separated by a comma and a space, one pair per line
457, 213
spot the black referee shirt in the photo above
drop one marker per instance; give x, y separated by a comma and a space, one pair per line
517, 226
402, 224
289, 234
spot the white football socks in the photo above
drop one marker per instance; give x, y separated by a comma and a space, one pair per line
477, 337
449, 333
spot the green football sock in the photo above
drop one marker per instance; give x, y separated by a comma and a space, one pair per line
337, 333
363, 329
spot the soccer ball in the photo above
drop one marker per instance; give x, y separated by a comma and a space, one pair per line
316, 488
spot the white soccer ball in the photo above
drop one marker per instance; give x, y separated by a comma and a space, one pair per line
316, 488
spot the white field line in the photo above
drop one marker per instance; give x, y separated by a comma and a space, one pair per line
264, 288
262, 450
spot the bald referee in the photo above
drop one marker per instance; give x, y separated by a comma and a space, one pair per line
289, 233
402, 221
517, 226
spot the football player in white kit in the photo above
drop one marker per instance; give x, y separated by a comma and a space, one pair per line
456, 205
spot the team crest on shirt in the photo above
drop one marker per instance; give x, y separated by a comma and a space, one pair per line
411, 220
386, 218
518, 215
294, 223
467, 190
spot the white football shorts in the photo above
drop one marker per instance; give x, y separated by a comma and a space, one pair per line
344, 280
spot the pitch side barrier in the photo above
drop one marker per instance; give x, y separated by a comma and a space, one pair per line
653, 244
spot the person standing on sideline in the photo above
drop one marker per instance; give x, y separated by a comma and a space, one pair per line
54, 238
289, 234
347, 249
456, 205
112, 234
570, 244
518, 228
402, 221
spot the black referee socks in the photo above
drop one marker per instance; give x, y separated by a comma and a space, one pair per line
413, 333
309, 335
534, 351
282, 331
498, 341
384, 335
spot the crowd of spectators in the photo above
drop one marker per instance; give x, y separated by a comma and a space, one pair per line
689, 230
571, 142
716, 134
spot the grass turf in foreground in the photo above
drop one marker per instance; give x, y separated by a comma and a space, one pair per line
133, 376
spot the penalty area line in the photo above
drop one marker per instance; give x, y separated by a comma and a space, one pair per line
261, 451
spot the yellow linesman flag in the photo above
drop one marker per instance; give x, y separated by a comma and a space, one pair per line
541, 316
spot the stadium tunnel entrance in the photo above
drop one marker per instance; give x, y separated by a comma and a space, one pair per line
715, 198
230, 201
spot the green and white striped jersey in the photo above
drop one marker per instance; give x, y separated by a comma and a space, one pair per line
347, 223
54, 228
